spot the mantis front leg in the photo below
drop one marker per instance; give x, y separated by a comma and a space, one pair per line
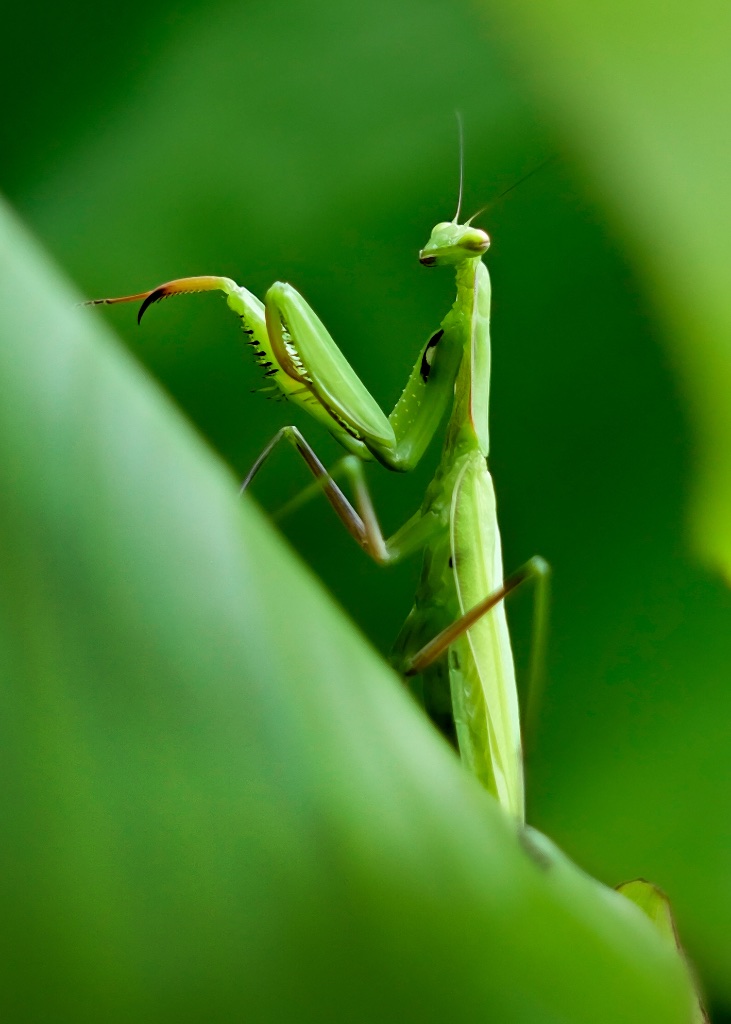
300, 358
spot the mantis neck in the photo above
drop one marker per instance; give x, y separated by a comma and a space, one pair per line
469, 319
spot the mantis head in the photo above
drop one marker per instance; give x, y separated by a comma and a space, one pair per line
451, 243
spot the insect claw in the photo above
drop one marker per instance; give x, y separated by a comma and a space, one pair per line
154, 296
181, 286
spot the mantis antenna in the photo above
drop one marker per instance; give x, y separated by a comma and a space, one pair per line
534, 170
460, 132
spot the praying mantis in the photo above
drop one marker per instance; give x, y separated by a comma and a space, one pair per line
454, 647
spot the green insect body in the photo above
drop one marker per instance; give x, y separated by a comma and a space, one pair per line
456, 527
475, 683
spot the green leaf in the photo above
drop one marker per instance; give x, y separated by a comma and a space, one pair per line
218, 803
646, 99
656, 905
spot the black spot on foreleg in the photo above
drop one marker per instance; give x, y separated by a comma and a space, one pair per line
428, 354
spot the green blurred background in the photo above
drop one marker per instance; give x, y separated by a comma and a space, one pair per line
317, 144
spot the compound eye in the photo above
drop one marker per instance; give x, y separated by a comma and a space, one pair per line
475, 240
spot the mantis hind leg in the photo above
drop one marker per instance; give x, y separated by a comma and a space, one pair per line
535, 569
